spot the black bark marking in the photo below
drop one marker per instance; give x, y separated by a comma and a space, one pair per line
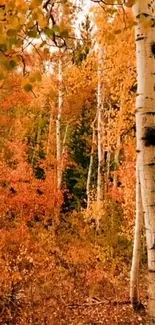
144, 14
150, 113
153, 48
153, 246
151, 165
137, 306
149, 137
139, 38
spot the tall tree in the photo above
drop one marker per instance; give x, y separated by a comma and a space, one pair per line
99, 135
145, 123
58, 124
134, 287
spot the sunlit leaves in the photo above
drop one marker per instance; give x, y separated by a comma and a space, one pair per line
35, 3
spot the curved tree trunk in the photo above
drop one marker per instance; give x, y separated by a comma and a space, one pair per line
144, 12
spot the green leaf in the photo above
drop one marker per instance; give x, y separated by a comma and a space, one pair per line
3, 47
48, 31
28, 87
10, 65
43, 43
56, 29
32, 33
12, 41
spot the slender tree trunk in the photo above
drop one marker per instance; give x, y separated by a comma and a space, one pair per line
118, 145
107, 153
63, 152
116, 160
38, 138
49, 134
134, 293
99, 139
107, 169
58, 124
88, 185
144, 12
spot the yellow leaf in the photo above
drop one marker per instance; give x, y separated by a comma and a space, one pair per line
14, 22
35, 3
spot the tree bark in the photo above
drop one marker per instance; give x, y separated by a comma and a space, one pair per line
58, 124
118, 146
134, 278
88, 185
49, 133
145, 124
99, 138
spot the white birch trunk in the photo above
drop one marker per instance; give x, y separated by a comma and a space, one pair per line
49, 134
134, 278
58, 124
108, 149
145, 119
88, 185
118, 144
99, 138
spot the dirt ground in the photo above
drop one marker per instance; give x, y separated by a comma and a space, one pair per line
112, 309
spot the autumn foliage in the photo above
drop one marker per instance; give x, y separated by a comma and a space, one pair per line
51, 254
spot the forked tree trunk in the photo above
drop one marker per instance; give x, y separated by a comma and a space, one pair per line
134, 278
144, 12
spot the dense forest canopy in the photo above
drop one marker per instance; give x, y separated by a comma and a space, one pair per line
68, 87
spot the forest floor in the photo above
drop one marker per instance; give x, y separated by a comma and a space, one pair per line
114, 309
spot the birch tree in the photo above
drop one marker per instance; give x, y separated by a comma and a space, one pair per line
88, 184
58, 123
99, 136
144, 13
134, 292
145, 123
